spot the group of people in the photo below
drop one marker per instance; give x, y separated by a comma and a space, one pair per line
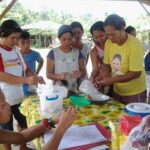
117, 61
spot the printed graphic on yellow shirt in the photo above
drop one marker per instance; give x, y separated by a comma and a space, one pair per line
116, 65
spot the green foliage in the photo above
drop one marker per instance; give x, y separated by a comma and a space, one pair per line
143, 22
24, 16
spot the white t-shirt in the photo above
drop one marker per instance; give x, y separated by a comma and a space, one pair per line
13, 64
85, 51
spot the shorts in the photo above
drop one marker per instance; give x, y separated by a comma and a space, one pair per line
21, 119
141, 97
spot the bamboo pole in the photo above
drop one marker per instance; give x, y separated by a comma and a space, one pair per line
7, 9
144, 8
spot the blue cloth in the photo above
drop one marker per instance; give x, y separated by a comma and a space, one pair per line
31, 59
147, 62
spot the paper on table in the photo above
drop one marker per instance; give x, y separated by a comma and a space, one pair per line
78, 136
101, 147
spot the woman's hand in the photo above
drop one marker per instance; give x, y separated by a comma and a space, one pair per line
63, 76
76, 74
67, 117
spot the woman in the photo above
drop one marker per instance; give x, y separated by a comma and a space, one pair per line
64, 63
97, 52
77, 30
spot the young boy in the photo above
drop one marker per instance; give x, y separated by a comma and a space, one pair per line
13, 72
30, 57
9, 137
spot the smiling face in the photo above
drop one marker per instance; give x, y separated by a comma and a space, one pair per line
116, 63
77, 34
66, 40
24, 45
99, 36
5, 111
114, 35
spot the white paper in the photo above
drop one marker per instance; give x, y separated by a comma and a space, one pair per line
78, 136
101, 147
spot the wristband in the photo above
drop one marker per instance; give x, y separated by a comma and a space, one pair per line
51, 123
48, 123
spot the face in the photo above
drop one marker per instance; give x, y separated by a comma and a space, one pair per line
12, 39
66, 40
99, 36
24, 45
5, 111
114, 35
116, 64
77, 34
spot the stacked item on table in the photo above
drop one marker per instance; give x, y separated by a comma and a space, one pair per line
96, 97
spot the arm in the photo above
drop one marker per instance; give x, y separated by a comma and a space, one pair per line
95, 62
65, 122
40, 64
81, 72
50, 70
11, 79
29, 72
82, 68
8, 137
104, 72
119, 79
127, 77
54, 142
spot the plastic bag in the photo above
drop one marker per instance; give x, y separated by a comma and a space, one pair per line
139, 137
51, 99
88, 88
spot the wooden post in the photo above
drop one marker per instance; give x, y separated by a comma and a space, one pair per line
7, 9
144, 8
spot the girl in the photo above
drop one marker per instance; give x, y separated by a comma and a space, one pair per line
64, 63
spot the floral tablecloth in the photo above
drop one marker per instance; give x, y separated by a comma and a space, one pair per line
101, 114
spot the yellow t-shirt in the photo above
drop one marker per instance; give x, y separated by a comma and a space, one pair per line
1, 147
125, 58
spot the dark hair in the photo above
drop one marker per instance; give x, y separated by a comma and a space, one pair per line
64, 29
116, 21
76, 24
117, 56
99, 25
130, 29
24, 35
8, 27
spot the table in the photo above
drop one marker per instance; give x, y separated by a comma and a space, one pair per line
100, 114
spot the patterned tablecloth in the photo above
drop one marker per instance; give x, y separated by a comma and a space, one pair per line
101, 114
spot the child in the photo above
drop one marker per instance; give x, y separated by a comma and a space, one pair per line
30, 57
12, 72
9, 137
64, 63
